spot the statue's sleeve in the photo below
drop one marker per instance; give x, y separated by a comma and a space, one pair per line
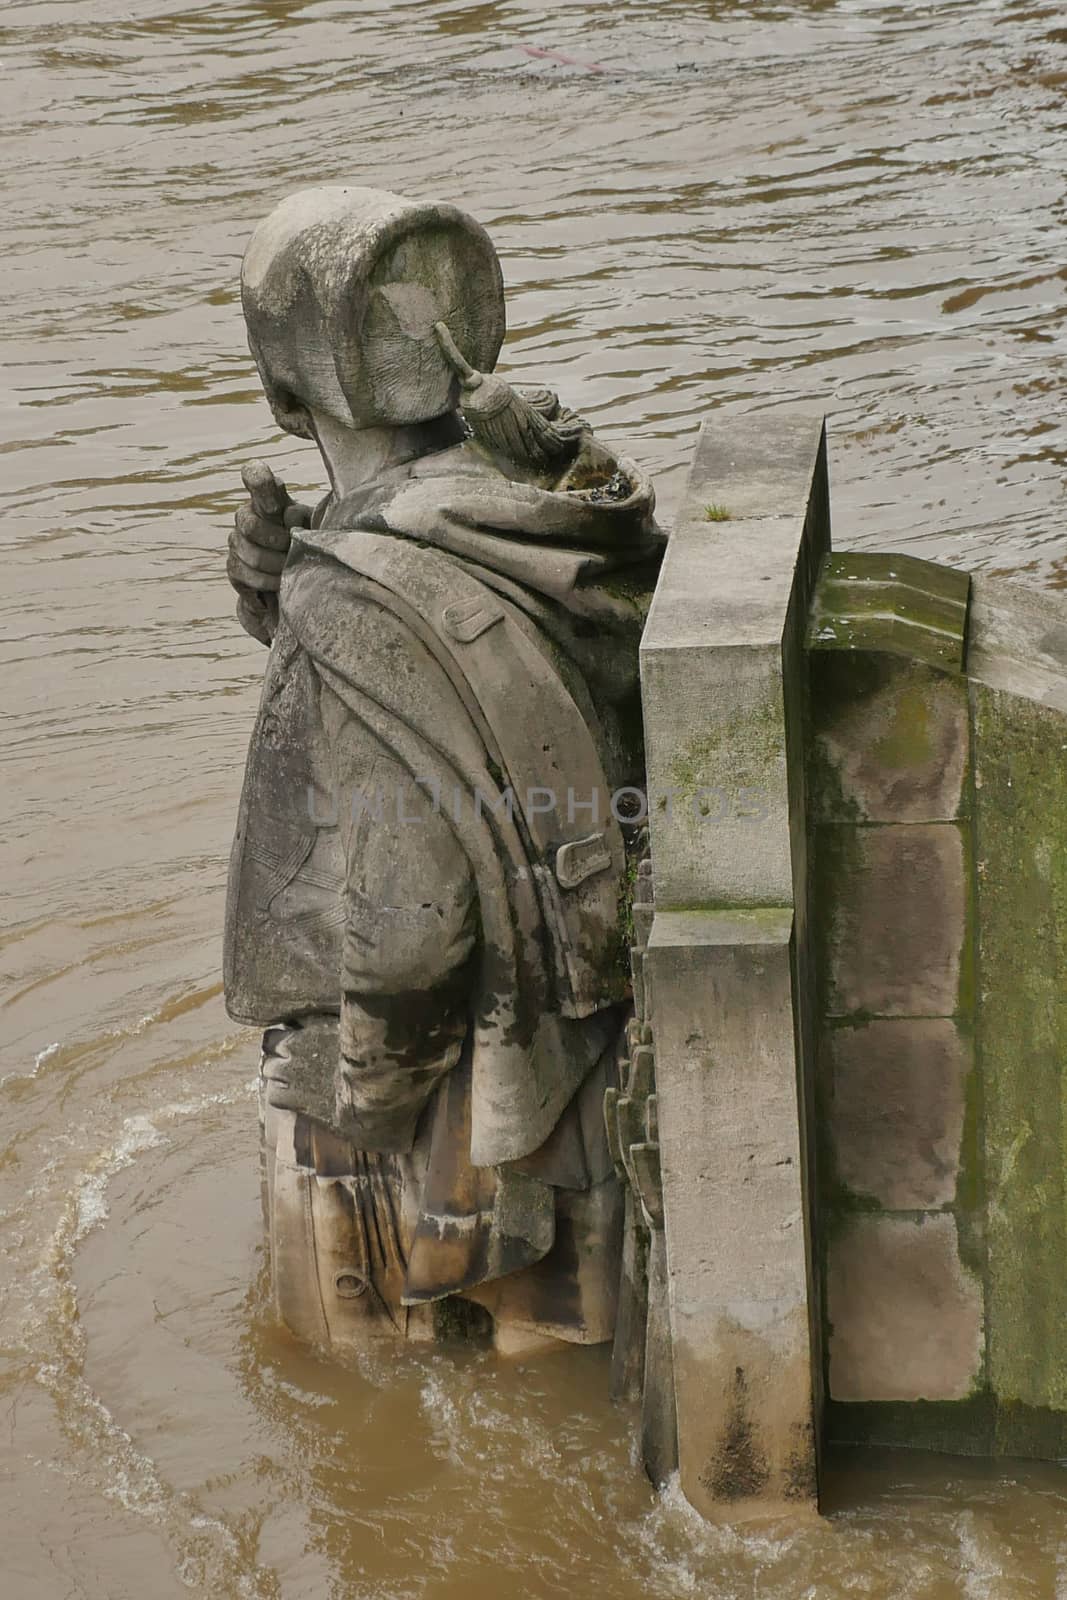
409, 935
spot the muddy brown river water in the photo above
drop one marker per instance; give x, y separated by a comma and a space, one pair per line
841, 205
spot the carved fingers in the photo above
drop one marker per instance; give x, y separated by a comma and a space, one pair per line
258, 547
256, 557
256, 617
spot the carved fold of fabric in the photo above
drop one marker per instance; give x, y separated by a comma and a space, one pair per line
382, 1087
562, 542
339, 1231
358, 1238
528, 1057
543, 1233
475, 1223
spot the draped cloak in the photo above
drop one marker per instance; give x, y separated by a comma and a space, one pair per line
482, 631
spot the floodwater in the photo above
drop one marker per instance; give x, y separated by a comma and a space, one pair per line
841, 205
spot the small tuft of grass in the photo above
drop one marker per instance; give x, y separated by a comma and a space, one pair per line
714, 513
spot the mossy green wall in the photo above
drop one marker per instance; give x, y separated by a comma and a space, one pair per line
885, 744
891, 801
1021, 792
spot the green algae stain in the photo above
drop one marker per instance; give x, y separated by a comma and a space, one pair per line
745, 750
1022, 896
906, 743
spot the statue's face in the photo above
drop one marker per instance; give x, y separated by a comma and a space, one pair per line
341, 291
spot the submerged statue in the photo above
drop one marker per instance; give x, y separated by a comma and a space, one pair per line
428, 887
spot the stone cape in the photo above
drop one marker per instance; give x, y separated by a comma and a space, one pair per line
505, 596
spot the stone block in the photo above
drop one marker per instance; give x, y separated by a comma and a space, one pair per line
717, 786
711, 663
898, 1100
906, 1316
756, 465
894, 900
734, 1200
659, 1420
724, 690
891, 740
1017, 640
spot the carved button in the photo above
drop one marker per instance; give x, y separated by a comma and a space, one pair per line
581, 859
350, 1285
465, 620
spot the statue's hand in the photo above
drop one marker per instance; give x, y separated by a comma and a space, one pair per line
258, 548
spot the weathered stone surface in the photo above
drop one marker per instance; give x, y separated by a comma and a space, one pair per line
891, 740
1021, 783
717, 777
341, 289
711, 665
897, 1111
759, 465
947, 930
631, 1325
724, 698
1017, 641
659, 1415
734, 1204
905, 1314
424, 898
896, 899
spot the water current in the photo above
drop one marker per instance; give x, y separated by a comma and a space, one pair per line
847, 206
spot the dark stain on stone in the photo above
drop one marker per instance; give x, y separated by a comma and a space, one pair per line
801, 1480
459, 1321
738, 1469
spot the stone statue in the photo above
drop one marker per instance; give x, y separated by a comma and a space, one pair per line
428, 886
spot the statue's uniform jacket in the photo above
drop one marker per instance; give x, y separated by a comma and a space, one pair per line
417, 863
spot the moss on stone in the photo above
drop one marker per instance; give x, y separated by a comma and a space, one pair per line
970, 1180
740, 752
960, 1427
890, 739
906, 742
1022, 899
896, 604
627, 934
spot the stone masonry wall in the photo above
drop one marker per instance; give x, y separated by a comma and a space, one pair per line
939, 841
892, 807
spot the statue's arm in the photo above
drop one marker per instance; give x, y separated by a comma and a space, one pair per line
258, 547
410, 931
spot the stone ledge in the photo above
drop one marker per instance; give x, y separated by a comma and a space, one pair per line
759, 464
708, 926
893, 603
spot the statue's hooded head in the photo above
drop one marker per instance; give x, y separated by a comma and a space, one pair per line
341, 289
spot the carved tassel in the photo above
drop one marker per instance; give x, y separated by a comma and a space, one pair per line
525, 429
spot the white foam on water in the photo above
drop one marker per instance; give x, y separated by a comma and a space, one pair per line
1061, 1574
87, 1202
303, 1397
984, 1577
438, 1404
38, 1062
90, 1197
684, 1555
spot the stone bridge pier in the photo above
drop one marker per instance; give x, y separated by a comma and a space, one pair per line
850, 1205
